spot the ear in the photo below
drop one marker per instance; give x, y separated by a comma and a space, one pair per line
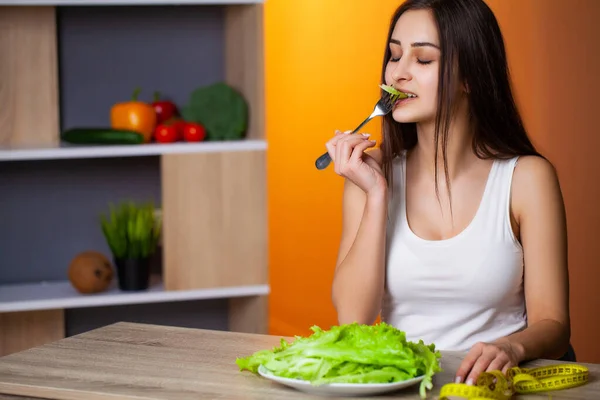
466, 88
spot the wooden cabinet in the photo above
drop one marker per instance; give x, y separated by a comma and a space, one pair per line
212, 194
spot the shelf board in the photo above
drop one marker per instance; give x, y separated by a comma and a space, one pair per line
123, 2
65, 151
60, 294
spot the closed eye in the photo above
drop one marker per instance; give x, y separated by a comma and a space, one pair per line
422, 62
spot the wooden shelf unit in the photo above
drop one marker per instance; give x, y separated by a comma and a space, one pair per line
216, 219
66, 151
61, 295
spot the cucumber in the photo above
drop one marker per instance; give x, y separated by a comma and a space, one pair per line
101, 136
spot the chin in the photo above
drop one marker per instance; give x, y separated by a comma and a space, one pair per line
406, 116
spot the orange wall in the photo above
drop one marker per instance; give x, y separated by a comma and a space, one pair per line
322, 65
554, 57
567, 88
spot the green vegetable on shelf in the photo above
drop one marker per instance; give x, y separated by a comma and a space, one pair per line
221, 109
350, 353
101, 136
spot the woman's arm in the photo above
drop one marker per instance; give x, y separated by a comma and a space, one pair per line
539, 210
359, 276
360, 273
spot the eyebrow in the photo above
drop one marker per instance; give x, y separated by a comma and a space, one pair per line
417, 44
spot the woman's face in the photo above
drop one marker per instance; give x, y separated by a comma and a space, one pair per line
414, 65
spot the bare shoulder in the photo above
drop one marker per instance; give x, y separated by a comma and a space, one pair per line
536, 187
533, 173
534, 167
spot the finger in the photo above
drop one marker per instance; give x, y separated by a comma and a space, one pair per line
480, 366
498, 363
354, 139
468, 362
344, 149
340, 158
360, 148
331, 143
506, 367
346, 146
337, 135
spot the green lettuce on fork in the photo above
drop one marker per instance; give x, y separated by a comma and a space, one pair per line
350, 353
395, 94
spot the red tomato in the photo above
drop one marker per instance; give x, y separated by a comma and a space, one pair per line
178, 124
165, 134
194, 132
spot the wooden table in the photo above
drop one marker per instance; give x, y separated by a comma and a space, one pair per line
139, 361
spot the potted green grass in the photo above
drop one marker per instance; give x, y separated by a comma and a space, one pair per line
132, 232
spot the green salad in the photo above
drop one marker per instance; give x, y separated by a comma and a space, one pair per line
350, 353
394, 93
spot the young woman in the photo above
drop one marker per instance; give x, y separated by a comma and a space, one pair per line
454, 230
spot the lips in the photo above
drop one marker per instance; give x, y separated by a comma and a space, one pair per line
409, 94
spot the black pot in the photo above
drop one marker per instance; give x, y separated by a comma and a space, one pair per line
133, 273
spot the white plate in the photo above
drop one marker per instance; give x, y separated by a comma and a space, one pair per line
340, 389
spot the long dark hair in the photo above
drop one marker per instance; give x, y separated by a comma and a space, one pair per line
470, 38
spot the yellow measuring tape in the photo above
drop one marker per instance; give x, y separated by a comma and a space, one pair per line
494, 385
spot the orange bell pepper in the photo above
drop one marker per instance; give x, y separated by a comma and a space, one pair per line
134, 115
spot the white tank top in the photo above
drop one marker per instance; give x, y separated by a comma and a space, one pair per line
462, 290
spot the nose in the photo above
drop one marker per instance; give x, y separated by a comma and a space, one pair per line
401, 71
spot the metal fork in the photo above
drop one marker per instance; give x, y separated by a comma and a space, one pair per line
383, 106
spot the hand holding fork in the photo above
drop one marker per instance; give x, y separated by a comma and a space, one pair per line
383, 107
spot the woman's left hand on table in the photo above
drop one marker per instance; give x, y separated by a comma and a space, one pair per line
485, 357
